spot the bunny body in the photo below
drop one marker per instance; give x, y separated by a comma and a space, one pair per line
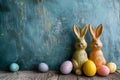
80, 55
97, 57
96, 54
78, 60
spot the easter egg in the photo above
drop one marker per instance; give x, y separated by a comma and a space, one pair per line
43, 67
66, 67
103, 70
14, 67
112, 66
89, 68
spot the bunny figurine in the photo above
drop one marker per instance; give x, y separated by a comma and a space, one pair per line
80, 55
96, 54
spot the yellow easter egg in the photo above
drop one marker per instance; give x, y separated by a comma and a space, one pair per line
89, 68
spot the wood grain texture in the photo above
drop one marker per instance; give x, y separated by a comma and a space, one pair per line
115, 76
31, 75
84, 78
52, 75
118, 70
67, 77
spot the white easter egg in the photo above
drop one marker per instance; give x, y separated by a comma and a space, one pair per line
66, 67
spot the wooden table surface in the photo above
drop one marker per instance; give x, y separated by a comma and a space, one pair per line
52, 75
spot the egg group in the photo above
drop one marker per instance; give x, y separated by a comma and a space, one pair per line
66, 67
43, 67
103, 70
14, 67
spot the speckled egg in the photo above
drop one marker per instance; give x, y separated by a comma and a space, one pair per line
103, 70
66, 67
43, 67
14, 67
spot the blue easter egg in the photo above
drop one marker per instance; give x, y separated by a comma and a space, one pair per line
14, 67
43, 67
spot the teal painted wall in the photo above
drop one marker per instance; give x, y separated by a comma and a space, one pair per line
34, 31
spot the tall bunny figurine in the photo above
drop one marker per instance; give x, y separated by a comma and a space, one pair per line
96, 54
80, 55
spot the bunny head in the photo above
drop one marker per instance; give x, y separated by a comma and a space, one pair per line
96, 44
80, 43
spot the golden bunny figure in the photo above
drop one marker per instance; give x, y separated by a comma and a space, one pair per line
96, 54
80, 55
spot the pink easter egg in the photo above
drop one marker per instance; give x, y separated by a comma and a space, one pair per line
103, 70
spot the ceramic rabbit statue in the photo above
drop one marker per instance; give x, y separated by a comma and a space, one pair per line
96, 54
80, 55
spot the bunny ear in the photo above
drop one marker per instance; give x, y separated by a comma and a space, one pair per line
76, 31
98, 31
83, 31
92, 32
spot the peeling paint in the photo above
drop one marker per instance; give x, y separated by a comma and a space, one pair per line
20, 13
21, 4
2, 34
49, 24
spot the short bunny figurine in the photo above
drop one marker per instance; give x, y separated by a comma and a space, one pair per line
80, 55
96, 54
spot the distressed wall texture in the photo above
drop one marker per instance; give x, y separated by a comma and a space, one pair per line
34, 31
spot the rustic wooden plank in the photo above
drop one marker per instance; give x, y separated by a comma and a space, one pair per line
84, 78
67, 77
25, 75
3, 75
22, 75
114, 76
118, 70
52, 75
100, 78
7, 76
31, 75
